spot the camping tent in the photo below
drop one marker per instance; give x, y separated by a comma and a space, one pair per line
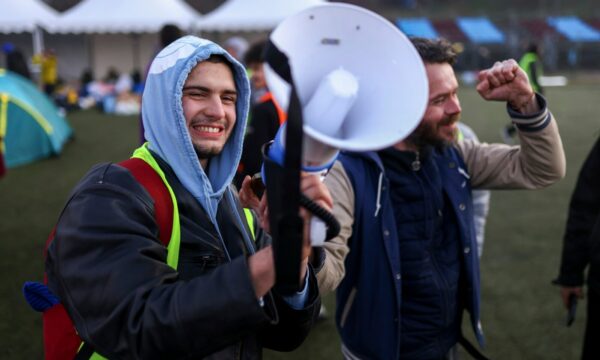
26, 16
251, 15
31, 127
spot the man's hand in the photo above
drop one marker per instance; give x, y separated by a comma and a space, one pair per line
248, 197
565, 292
262, 271
312, 186
506, 81
314, 189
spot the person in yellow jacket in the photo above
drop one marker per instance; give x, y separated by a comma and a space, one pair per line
48, 63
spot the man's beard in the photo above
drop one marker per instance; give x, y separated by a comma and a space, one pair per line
427, 134
206, 153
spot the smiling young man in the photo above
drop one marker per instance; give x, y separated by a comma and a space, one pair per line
406, 215
211, 295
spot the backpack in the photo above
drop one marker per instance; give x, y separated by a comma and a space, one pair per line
61, 341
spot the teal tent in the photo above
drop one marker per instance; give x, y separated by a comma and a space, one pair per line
31, 126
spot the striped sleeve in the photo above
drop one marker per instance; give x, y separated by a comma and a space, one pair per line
531, 122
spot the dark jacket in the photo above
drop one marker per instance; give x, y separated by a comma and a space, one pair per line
582, 235
109, 269
370, 297
262, 127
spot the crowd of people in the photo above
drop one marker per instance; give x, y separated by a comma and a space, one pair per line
405, 265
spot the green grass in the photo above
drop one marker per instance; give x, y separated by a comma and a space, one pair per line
522, 314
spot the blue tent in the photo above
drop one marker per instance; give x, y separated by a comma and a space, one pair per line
417, 27
574, 29
480, 30
31, 126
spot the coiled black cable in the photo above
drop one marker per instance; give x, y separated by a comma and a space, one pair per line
333, 226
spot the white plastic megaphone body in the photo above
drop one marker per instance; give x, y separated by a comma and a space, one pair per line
361, 83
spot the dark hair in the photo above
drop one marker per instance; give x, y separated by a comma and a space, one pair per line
221, 59
434, 51
136, 76
255, 53
87, 76
532, 47
168, 34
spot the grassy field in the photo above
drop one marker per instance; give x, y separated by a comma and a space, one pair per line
522, 315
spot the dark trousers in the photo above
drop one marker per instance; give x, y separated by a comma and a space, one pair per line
591, 343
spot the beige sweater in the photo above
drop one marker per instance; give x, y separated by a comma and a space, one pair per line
538, 162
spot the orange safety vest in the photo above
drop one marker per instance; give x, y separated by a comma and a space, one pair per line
268, 96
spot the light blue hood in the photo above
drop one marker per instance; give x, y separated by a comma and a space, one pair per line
165, 125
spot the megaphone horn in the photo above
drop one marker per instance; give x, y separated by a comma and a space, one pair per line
381, 68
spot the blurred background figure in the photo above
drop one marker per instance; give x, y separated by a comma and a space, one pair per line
86, 80
265, 115
531, 63
581, 248
15, 61
48, 63
237, 47
254, 60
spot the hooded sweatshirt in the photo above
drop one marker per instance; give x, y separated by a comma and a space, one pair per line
166, 128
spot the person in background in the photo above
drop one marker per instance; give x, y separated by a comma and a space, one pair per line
237, 47
581, 250
138, 85
406, 251
15, 61
48, 63
531, 63
211, 295
265, 117
481, 198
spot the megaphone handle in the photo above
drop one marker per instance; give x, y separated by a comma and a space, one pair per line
333, 226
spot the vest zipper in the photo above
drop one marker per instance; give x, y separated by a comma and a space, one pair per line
416, 164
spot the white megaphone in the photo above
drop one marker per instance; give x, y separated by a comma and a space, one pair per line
361, 83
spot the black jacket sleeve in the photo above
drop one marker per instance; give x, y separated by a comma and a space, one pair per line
584, 210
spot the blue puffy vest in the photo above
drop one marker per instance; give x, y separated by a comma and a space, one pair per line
369, 299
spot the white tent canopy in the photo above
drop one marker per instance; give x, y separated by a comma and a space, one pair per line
125, 16
251, 15
25, 15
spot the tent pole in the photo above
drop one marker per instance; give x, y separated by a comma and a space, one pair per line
89, 42
38, 40
136, 51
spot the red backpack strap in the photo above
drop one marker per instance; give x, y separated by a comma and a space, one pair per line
163, 204
61, 340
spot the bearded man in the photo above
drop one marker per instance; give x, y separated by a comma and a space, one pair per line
406, 215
